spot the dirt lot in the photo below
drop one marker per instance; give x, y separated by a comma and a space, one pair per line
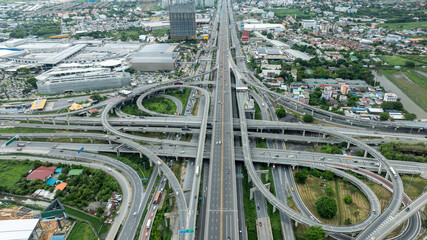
17, 212
50, 228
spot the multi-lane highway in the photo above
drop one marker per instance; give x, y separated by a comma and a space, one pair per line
217, 136
221, 213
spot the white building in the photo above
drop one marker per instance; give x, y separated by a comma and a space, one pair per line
20, 229
264, 27
57, 81
390, 97
308, 24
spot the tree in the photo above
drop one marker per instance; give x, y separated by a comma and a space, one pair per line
410, 116
301, 177
329, 191
348, 200
328, 175
315, 233
281, 112
410, 64
347, 221
308, 118
326, 207
384, 116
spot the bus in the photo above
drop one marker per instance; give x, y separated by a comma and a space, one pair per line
157, 197
177, 83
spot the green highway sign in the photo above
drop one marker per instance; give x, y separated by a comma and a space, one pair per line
9, 141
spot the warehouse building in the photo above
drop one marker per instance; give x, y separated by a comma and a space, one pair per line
20, 229
155, 57
80, 79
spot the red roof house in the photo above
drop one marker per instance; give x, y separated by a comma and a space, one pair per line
41, 173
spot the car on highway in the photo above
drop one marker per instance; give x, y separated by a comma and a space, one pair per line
408, 209
260, 224
292, 189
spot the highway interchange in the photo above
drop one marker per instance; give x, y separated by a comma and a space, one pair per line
216, 151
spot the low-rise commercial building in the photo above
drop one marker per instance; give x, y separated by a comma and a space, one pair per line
80, 79
155, 57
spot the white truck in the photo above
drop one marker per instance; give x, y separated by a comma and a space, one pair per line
148, 224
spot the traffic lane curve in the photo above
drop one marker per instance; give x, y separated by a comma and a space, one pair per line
141, 98
414, 224
293, 214
179, 194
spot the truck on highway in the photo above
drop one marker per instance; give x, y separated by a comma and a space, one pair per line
157, 197
148, 224
393, 172
21, 144
197, 171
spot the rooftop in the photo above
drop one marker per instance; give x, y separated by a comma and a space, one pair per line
17, 229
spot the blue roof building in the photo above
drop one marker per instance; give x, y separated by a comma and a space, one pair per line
51, 181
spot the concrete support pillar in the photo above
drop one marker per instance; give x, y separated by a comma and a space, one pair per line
303, 133
166, 222
348, 145
386, 175
251, 195
109, 141
274, 209
266, 177
365, 154
28, 121
170, 199
140, 155
42, 121
293, 167
68, 119
118, 151
380, 168
324, 135
330, 119
296, 224
71, 139
53, 121
91, 140
312, 112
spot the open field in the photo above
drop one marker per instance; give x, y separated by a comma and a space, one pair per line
407, 25
314, 189
82, 231
400, 60
412, 83
293, 11
160, 105
11, 172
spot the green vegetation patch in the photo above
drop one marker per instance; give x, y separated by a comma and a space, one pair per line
405, 25
182, 95
250, 211
82, 231
96, 223
306, 14
160, 105
10, 173
25, 130
414, 152
131, 109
